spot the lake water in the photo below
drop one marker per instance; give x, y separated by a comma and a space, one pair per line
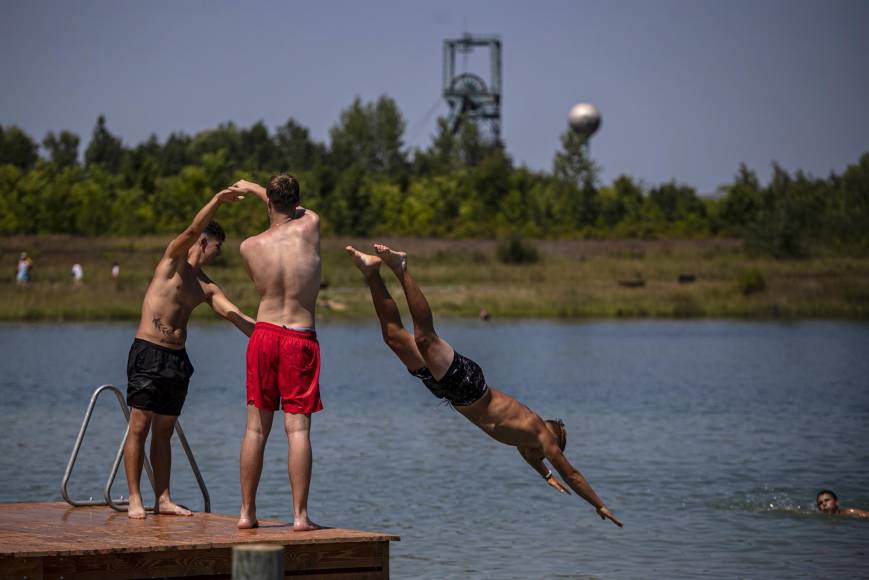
708, 439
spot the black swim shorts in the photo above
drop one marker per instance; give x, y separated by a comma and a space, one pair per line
462, 384
157, 378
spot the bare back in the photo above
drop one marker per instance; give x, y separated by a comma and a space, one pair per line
284, 264
505, 419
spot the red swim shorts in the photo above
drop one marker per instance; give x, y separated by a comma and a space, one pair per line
283, 369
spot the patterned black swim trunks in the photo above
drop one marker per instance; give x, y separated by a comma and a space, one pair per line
463, 383
157, 378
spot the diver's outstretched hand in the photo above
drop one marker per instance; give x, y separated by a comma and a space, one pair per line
555, 484
606, 514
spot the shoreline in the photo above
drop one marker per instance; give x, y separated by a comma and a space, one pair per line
573, 280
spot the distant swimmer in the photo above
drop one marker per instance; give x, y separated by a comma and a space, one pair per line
158, 369
459, 380
283, 354
828, 503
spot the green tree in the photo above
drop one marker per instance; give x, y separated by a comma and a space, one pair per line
441, 157
62, 149
741, 201
141, 167
369, 136
295, 150
676, 202
10, 209
104, 150
176, 154
17, 148
225, 137
849, 206
260, 152
578, 174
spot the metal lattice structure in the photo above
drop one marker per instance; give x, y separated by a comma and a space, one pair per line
470, 98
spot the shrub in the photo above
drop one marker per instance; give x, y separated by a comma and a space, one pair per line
752, 282
515, 251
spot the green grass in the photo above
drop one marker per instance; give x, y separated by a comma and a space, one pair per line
571, 279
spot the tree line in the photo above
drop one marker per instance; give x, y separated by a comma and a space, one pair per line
367, 182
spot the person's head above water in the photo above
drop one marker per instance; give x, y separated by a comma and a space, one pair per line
827, 501
283, 194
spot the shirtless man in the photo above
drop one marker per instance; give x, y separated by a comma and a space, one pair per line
158, 369
283, 355
828, 503
459, 380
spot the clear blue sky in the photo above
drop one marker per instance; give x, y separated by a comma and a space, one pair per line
688, 88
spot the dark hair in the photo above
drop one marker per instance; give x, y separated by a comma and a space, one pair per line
823, 491
213, 230
560, 431
283, 192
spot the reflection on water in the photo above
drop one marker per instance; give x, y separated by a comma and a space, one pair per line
708, 439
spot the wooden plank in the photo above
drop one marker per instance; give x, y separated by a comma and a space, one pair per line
57, 529
122, 566
16, 568
333, 556
326, 560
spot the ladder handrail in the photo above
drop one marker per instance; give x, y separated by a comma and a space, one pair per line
78, 441
120, 505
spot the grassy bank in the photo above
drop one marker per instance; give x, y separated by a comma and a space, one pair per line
571, 279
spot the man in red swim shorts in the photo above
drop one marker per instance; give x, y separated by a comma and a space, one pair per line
283, 356
283, 369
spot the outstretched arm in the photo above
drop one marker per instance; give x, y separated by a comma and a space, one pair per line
856, 512
179, 246
576, 481
536, 463
224, 308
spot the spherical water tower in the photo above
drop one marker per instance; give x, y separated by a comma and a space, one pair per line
584, 119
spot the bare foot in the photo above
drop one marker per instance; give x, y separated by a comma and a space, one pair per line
135, 509
305, 525
170, 508
366, 263
395, 260
247, 523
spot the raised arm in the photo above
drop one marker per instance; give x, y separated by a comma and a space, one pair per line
575, 480
244, 186
179, 246
224, 308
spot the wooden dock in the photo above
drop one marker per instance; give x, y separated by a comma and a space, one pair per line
54, 540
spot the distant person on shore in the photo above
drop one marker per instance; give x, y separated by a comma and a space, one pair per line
77, 273
283, 355
158, 368
828, 503
22, 274
116, 272
459, 380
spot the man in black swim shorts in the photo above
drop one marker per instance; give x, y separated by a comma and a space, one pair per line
158, 369
459, 380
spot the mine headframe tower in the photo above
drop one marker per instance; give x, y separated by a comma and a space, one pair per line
469, 97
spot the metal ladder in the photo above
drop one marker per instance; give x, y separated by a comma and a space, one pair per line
121, 504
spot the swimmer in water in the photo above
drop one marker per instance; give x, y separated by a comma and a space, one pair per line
828, 503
